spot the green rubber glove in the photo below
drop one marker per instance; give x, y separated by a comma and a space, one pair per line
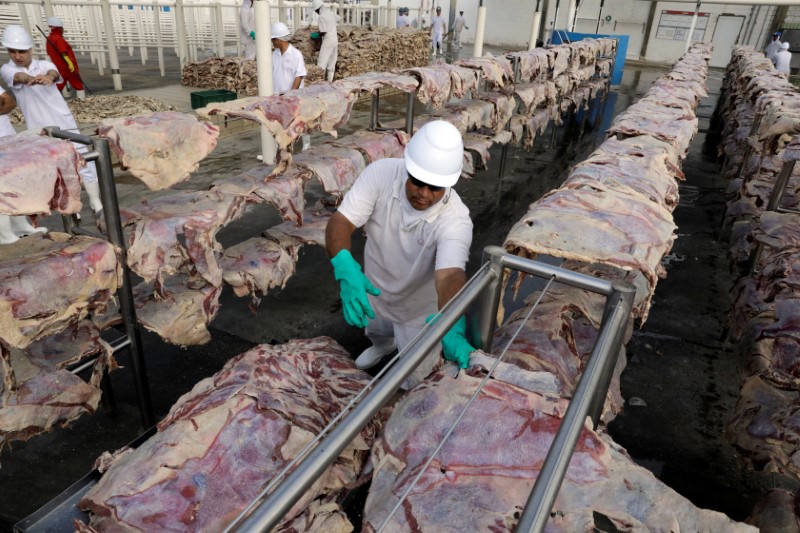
315, 35
455, 345
353, 288
253, 35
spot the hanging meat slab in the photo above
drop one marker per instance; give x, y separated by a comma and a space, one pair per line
335, 167
495, 70
311, 232
161, 149
225, 440
434, 85
375, 145
337, 104
284, 192
462, 79
177, 233
257, 265
39, 174
372, 81
48, 282
482, 476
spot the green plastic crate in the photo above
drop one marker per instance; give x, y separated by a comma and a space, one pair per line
203, 98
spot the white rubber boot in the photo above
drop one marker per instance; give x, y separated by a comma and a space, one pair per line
381, 347
329, 74
81, 94
93, 191
6, 235
306, 142
22, 227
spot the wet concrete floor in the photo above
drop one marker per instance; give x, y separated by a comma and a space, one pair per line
686, 379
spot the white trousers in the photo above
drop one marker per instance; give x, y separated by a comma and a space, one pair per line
89, 172
436, 40
380, 330
328, 54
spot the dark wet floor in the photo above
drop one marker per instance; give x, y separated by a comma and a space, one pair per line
686, 379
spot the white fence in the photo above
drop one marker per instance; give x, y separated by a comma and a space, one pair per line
207, 27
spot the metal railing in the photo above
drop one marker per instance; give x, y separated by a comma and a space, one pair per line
484, 290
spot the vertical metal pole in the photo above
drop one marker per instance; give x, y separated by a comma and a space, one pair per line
480, 29
180, 29
159, 41
264, 66
92, 31
108, 194
748, 150
281, 12
599, 15
485, 320
220, 29
48, 8
692, 26
412, 96
108, 28
373, 112
503, 160
141, 35
534, 36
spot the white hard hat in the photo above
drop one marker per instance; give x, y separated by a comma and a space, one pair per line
16, 38
55, 22
784, 46
279, 30
435, 154
316, 4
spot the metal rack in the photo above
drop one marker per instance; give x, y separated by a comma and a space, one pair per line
101, 154
375, 110
484, 290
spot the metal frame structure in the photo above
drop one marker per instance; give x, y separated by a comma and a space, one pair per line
484, 290
100, 153
375, 109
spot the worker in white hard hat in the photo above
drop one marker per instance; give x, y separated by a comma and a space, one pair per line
288, 66
247, 29
438, 30
773, 47
783, 59
418, 238
326, 38
33, 83
63, 58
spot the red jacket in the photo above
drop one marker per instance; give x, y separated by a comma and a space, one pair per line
57, 48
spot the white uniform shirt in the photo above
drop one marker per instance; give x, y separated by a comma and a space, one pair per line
772, 48
459, 23
327, 25
438, 24
285, 68
782, 61
404, 245
402, 21
6, 128
42, 105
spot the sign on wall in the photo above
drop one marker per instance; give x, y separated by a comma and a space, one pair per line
674, 25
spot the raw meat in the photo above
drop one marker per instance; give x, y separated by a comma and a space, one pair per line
372, 81
285, 192
532, 95
533, 63
337, 104
481, 478
179, 309
462, 79
434, 84
37, 174
335, 167
257, 265
777, 512
674, 128
155, 248
376, 144
48, 282
503, 106
496, 70
311, 232
160, 149
225, 439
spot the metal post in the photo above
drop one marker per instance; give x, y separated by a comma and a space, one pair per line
480, 29
48, 8
545, 489
748, 149
373, 112
534, 36
180, 29
159, 42
412, 96
220, 29
486, 307
281, 12
140, 32
599, 15
108, 27
572, 12
692, 26
264, 67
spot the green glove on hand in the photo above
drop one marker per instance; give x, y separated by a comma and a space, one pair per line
315, 35
455, 345
253, 35
354, 286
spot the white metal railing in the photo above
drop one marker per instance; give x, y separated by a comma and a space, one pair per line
210, 27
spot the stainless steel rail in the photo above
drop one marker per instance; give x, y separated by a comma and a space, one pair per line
108, 194
485, 289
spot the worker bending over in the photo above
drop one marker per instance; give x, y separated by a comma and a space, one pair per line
783, 59
288, 66
329, 45
438, 31
63, 58
33, 83
418, 238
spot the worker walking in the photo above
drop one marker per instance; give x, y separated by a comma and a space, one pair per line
459, 24
288, 66
418, 238
63, 58
783, 59
329, 46
247, 29
402, 18
33, 83
438, 30
773, 47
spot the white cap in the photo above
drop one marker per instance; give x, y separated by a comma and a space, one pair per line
316, 4
784, 46
435, 154
279, 30
16, 38
55, 22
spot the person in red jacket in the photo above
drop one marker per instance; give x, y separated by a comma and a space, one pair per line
63, 57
